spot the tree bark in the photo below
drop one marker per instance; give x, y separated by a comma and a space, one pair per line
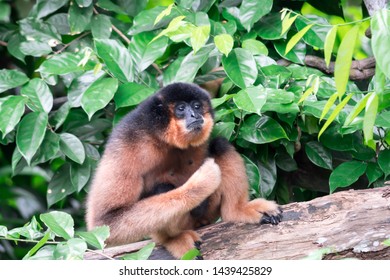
345, 224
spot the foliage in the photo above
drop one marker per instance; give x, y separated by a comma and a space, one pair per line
74, 68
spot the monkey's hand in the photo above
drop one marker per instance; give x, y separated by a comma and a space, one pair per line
207, 177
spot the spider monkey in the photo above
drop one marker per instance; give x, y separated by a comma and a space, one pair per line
161, 176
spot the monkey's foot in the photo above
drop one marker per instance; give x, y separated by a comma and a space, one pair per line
270, 211
182, 243
273, 219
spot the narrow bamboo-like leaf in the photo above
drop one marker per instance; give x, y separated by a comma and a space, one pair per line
287, 22
37, 246
11, 110
295, 39
357, 109
30, 134
306, 94
224, 43
173, 25
328, 105
380, 25
72, 147
334, 114
329, 42
369, 120
164, 13
60, 223
344, 60
346, 174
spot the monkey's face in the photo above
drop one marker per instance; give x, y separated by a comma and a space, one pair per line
192, 115
190, 124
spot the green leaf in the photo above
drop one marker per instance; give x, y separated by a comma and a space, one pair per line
328, 105
39, 95
329, 43
72, 147
285, 162
380, 26
117, 59
199, 37
60, 185
254, 46
251, 12
13, 46
165, 12
61, 22
80, 174
251, 99
335, 113
73, 249
357, 109
45, 7
11, 110
173, 26
84, 3
261, 130
295, 39
185, 69
96, 237
3, 231
224, 43
101, 27
36, 30
315, 37
110, 6
144, 21
344, 60
382, 120
268, 172
49, 148
373, 172
296, 55
190, 255
369, 120
144, 51
319, 155
223, 129
270, 27
131, 94
253, 173
79, 18
30, 134
35, 48
37, 246
80, 85
287, 22
384, 162
60, 64
240, 67
60, 223
11, 79
142, 254
346, 174
98, 95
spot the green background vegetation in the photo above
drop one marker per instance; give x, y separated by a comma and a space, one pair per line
70, 70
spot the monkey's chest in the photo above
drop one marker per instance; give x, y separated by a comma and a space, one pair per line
175, 169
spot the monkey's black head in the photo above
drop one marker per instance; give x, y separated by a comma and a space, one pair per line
189, 111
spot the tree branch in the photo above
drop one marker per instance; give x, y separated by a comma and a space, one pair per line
345, 224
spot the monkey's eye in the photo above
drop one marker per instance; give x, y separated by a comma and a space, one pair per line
181, 107
196, 105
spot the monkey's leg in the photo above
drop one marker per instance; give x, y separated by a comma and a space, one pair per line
235, 206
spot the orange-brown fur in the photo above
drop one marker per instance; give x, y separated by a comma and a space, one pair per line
128, 169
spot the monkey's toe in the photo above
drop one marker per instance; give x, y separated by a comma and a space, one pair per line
197, 244
271, 219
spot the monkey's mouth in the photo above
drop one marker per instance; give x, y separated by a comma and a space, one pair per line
196, 125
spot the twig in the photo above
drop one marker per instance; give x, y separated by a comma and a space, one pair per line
99, 253
2, 43
71, 42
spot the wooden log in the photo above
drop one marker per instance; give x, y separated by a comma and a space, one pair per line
346, 224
